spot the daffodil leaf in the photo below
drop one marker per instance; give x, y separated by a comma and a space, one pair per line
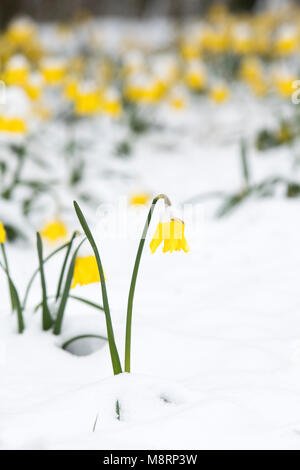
16, 300
53, 253
65, 294
46, 317
76, 338
64, 266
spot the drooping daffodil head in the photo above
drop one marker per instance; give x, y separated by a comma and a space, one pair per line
170, 232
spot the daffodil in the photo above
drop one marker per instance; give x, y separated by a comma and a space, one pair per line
111, 103
287, 41
144, 89
53, 70
21, 30
284, 84
85, 271
189, 50
16, 71
71, 88
219, 93
242, 39
2, 233
13, 125
33, 86
215, 39
54, 230
172, 234
178, 99
88, 99
195, 76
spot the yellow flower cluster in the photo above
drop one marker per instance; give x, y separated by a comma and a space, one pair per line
261, 47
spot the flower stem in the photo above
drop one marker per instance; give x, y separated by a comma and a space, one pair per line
134, 278
64, 266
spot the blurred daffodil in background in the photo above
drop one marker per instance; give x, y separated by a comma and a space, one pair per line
2, 233
54, 230
85, 271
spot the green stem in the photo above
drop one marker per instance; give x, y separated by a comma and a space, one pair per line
7, 269
74, 297
115, 359
244, 162
134, 278
64, 266
37, 271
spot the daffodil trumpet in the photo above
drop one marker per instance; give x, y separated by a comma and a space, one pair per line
134, 278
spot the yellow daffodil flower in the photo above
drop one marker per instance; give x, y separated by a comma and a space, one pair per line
16, 71
2, 233
85, 271
145, 89
53, 70
88, 100
195, 76
13, 125
284, 85
54, 230
287, 41
139, 199
21, 31
33, 86
178, 102
219, 93
71, 89
242, 39
172, 234
111, 104
215, 40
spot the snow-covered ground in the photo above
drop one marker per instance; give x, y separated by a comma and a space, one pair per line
216, 335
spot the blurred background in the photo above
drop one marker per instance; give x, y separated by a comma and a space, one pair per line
45, 10
103, 100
